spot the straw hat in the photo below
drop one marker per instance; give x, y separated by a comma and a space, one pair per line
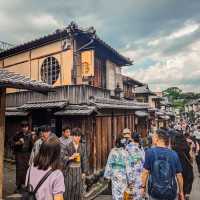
126, 133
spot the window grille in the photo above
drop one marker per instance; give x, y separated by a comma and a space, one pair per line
50, 70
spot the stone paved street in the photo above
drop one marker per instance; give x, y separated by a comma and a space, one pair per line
10, 186
196, 186
103, 197
9, 178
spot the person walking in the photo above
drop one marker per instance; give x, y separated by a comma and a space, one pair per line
75, 162
118, 169
197, 154
136, 161
182, 148
47, 164
66, 138
46, 133
22, 143
162, 168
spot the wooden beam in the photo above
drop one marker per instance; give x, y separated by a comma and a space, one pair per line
2, 136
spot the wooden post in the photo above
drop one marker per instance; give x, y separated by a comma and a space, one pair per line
2, 136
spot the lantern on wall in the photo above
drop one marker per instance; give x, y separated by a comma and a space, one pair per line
118, 92
136, 121
87, 63
85, 67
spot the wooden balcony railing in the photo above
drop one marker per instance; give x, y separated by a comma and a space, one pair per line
74, 94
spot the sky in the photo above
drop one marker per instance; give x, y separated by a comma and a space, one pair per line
162, 37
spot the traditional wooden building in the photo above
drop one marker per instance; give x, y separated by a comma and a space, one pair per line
129, 87
160, 112
143, 93
88, 89
11, 80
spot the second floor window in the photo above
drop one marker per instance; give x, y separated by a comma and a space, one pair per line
50, 70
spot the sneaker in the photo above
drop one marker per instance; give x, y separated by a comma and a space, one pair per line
187, 197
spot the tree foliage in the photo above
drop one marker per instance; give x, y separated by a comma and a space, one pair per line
178, 97
173, 93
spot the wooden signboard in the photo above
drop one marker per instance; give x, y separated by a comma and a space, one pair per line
87, 63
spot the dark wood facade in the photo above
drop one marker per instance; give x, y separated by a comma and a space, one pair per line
100, 129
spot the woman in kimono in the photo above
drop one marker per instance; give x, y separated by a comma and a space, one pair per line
75, 166
117, 169
136, 160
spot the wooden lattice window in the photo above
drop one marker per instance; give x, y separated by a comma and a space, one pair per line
50, 70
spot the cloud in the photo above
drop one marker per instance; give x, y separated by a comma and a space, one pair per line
161, 38
181, 69
169, 59
44, 21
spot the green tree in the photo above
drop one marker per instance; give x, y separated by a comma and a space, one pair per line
172, 93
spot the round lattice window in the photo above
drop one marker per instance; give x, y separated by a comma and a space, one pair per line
50, 70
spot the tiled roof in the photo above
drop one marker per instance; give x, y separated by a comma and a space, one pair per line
157, 97
14, 80
165, 117
166, 103
140, 113
152, 109
70, 30
127, 79
76, 110
11, 112
193, 102
159, 112
170, 113
117, 104
44, 105
19, 114
143, 90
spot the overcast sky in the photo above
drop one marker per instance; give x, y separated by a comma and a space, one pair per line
161, 36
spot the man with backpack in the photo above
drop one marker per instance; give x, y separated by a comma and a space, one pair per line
162, 168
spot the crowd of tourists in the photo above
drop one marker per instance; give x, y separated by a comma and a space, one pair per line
48, 167
159, 167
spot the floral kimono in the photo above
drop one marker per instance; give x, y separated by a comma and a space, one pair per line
118, 170
136, 161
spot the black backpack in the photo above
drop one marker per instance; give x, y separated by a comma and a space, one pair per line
162, 183
29, 193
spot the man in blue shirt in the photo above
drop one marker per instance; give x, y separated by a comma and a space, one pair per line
162, 168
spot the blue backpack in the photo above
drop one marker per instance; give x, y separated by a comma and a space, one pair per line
162, 183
